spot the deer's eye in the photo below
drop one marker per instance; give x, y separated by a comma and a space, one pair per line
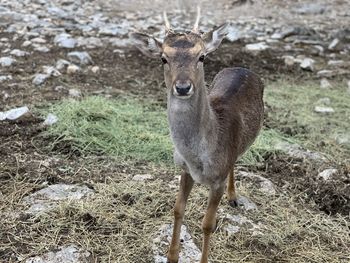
164, 60
201, 58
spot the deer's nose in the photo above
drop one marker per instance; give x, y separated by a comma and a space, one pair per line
183, 88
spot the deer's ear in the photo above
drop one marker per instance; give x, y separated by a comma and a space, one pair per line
148, 45
213, 38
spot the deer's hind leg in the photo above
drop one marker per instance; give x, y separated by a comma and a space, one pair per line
231, 189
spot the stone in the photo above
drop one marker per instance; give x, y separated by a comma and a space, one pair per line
289, 60
233, 34
14, 114
7, 61
326, 73
74, 93
48, 198
113, 30
338, 63
51, 71
325, 84
310, 9
246, 204
65, 40
327, 174
40, 79
72, 69
307, 64
323, 110
266, 186
95, 69
82, 57
26, 43
19, 53
334, 44
343, 139
50, 119
348, 86
256, 47
296, 151
38, 40
4, 78
90, 42
40, 48
62, 64
143, 177
189, 252
65, 254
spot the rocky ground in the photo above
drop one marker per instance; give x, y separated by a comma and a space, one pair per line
52, 50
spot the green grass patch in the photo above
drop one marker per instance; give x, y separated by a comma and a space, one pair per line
292, 109
129, 129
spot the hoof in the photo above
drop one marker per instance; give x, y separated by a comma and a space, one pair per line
233, 203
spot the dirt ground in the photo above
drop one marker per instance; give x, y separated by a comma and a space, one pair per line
27, 161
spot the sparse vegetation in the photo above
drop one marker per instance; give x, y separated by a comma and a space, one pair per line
130, 129
292, 112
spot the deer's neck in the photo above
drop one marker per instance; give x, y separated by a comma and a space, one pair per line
192, 122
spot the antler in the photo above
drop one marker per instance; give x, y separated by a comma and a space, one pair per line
196, 24
167, 24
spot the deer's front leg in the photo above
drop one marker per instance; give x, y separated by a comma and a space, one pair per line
186, 184
209, 220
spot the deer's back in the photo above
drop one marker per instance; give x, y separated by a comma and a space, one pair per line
237, 99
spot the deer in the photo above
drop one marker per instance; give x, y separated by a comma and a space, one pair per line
210, 128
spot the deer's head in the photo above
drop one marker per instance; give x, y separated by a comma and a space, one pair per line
182, 54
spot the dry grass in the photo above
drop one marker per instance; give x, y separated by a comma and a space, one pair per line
118, 223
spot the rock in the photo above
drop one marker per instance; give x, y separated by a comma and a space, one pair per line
19, 53
343, 139
41, 48
14, 114
348, 86
338, 63
38, 40
82, 58
66, 254
49, 197
289, 60
113, 30
189, 252
246, 204
142, 177
7, 61
95, 69
50, 119
266, 186
26, 43
62, 64
323, 110
39, 79
324, 101
325, 73
325, 84
327, 174
295, 151
51, 71
334, 45
74, 93
72, 69
256, 47
65, 40
307, 64
233, 34
4, 78
235, 222
90, 42
310, 9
